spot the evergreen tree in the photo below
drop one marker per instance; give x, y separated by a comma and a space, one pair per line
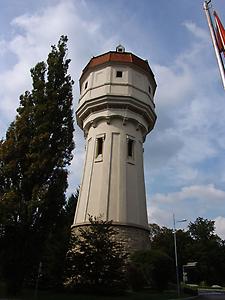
33, 166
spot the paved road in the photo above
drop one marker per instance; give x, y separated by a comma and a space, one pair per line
211, 297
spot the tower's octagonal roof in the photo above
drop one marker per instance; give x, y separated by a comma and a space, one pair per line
120, 57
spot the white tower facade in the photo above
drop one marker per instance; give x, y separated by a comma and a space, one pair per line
116, 112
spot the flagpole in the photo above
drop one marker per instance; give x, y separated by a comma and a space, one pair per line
213, 36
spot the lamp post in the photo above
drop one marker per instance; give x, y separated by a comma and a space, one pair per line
175, 251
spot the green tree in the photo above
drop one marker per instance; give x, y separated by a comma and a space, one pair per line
202, 229
197, 244
154, 267
96, 258
207, 249
163, 240
154, 230
54, 256
34, 157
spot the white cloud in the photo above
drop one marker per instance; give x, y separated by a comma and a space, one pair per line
164, 217
197, 192
3, 47
189, 203
173, 85
189, 130
196, 31
220, 226
159, 216
33, 35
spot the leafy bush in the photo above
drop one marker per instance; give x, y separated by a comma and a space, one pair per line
135, 277
190, 290
96, 258
152, 268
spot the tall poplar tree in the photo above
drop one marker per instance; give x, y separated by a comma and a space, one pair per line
34, 158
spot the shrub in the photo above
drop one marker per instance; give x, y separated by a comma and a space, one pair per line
190, 290
154, 268
96, 258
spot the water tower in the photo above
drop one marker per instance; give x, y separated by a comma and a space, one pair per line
116, 111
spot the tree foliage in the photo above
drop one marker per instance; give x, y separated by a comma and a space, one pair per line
198, 243
208, 250
33, 165
202, 229
153, 267
54, 255
96, 258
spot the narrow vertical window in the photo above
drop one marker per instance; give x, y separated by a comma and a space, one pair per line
99, 149
86, 85
130, 148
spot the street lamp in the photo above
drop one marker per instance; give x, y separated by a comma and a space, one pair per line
175, 251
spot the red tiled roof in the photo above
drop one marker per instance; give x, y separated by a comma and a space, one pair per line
124, 57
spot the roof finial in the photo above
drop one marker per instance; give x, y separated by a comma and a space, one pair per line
120, 48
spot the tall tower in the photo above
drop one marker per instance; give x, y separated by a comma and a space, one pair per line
116, 112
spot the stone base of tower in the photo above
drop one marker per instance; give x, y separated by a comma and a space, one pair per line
133, 238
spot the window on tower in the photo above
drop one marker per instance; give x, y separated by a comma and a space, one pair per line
119, 74
99, 147
130, 148
86, 85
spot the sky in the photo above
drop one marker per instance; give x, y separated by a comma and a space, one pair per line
184, 155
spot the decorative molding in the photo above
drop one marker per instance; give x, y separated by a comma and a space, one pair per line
93, 123
117, 224
108, 120
125, 121
124, 103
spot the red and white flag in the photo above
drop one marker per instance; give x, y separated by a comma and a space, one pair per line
220, 34
217, 33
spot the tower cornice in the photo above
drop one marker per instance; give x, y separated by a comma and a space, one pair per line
122, 104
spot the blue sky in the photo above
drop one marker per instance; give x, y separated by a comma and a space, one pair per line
185, 153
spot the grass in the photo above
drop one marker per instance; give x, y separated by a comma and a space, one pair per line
51, 295
143, 295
